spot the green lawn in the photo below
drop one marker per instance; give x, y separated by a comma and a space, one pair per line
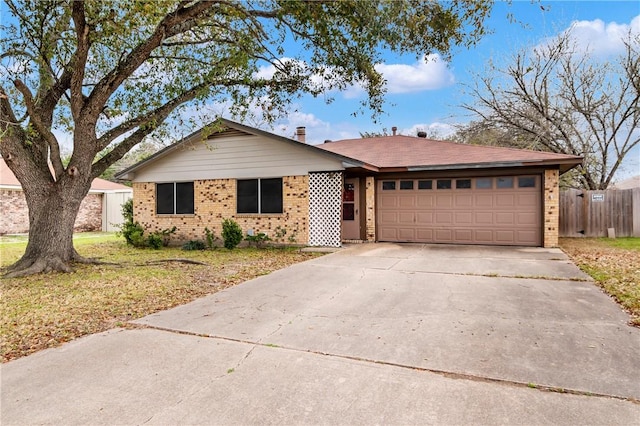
44, 311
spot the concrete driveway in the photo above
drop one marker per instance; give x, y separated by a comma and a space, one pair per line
373, 334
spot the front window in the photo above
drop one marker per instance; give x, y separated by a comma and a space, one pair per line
259, 196
174, 198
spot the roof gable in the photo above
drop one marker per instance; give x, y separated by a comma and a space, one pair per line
223, 153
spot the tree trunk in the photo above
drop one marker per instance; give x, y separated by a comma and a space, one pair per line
53, 208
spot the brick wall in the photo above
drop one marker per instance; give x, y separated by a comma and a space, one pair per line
215, 200
90, 214
15, 213
551, 209
370, 197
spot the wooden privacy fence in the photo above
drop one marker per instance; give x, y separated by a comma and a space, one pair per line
592, 213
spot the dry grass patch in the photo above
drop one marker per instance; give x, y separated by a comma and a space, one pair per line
614, 264
44, 311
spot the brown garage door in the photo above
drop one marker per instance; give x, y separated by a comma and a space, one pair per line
505, 210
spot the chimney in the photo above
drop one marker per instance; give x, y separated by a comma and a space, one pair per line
394, 129
422, 134
301, 134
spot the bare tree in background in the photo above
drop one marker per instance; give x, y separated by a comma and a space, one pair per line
562, 99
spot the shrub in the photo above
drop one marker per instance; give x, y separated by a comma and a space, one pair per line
258, 239
155, 240
231, 233
133, 232
210, 237
194, 245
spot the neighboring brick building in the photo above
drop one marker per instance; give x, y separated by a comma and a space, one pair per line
100, 210
394, 188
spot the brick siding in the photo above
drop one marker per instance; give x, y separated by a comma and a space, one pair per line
370, 204
15, 213
551, 208
215, 200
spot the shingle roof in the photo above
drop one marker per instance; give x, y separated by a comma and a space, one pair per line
8, 179
389, 152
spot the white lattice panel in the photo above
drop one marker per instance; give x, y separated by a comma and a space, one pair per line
325, 205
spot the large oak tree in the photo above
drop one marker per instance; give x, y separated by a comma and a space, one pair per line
116, 72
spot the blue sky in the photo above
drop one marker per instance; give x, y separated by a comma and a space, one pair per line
428, 96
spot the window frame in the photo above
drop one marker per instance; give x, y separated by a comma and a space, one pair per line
259, 196
191, 209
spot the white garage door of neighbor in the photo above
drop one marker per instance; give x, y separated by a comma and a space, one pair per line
505, 210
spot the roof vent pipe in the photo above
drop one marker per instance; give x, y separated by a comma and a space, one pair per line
301, 134
422, 134
394, 129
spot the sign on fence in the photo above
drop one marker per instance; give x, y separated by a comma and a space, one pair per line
597, 197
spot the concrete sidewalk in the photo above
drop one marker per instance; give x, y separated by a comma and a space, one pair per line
374, 334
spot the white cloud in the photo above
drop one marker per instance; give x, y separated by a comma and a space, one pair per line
602, 38
430, 73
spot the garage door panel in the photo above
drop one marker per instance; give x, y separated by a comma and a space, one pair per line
503, 216
405, 218
505, 200
527, 218
425, 201
444, 201
484, 200
483, 236
484, 218
463, 218
463, 235
444, 218
423, 234
407, 201
463, 201
528, 200
424, 218
505, 236
388, 234
407, 234
444, 235
388, 201
388, 218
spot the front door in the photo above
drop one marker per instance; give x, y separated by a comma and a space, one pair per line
350, 210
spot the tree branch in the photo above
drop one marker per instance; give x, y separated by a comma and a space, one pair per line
41, 128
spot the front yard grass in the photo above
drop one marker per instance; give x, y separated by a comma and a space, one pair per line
614, 264
43, 311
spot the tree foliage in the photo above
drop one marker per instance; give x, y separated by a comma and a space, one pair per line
114, 73
559, 98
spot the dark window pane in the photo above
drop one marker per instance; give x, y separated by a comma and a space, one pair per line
184, 198
463, 183
389, 185
443, 184
247, 196
271, 195
484, 183
348, 212
425, 184
164, 198
527, 182
406, 184
505, 182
